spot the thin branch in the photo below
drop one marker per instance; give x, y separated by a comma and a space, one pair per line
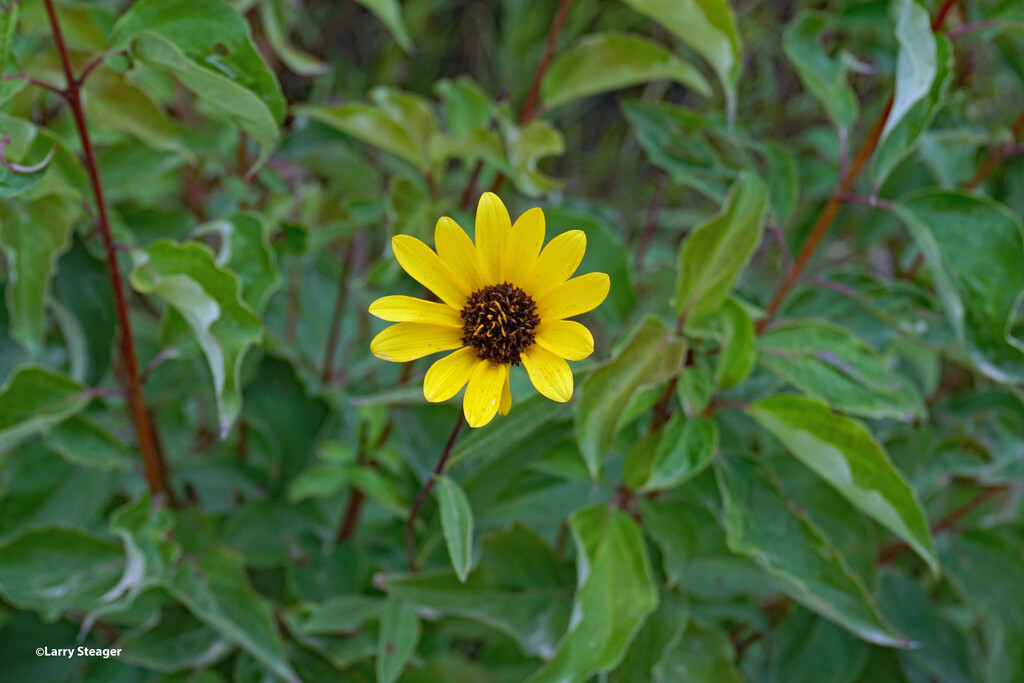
36, 82
428, 485
872, 201
334, 334
830, 211
889, 553
148, 443
90, 67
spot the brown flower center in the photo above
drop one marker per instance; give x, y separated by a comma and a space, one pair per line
499, 322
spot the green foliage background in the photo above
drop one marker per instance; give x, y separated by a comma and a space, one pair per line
796, 455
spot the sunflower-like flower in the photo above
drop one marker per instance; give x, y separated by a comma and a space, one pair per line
505, 302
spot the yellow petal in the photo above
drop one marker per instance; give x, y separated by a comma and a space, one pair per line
578, 295
492, 229
549, 373
408, 341
484, 392
566, 338
524, 245
506, 399
429, 270
457, 250
446, 377
407, 309
556, 264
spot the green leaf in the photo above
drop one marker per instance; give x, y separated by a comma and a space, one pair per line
33, 237
527, 145
207, 297
810, 649
648, 356
245, 249
373, 126
55, 570
216, 590
973, 248
662, 630
685, 449
707, 26
702, 655
8, 24
616, 592
942, 650
824, 76
177, 642
519, 589
904, 135
344, 614
762, 524
82, 442
694, 391
297, 60
34, 399
985, 568
396, 644
115, 103
457, 525
843, 452
732, 327
610, 61
390, 14
831, 364
713, 254
672, 137
205, 44
502, 436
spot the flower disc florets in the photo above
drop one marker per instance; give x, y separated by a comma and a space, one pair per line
499, 322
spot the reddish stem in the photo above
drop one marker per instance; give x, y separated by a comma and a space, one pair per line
148, 444
421, 498
831, 210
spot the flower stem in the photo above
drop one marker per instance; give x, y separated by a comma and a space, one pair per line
148, 444
421, 498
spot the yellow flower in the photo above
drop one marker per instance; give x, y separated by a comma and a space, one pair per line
505, 301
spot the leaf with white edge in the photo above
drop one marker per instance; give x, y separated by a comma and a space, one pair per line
396, 643
843, 452
215, 588
974, 249
601, 62
616, 593
207, 297
390, 14
527, 145
35, 399
82, 442
823, 75
905, 135
297, 60
245, 249
831, 364
707, 26
713, 254
762, 524
33, 237
685, 449
651, 354
985, 568
917, 61
56, 570
456, 525
206, 45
